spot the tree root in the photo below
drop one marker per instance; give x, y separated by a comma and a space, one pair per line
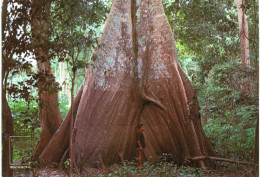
65, 155
101, 161
219, 159
121, 157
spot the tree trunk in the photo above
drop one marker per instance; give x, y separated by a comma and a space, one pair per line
243, 30
71, 150
7, 131
143, 84
61, 138
50, 115
64, 77
77, 81
7, 119
244, 42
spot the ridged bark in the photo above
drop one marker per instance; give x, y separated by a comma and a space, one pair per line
144, 84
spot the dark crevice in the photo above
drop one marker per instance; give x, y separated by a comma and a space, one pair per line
141, 111
135, 90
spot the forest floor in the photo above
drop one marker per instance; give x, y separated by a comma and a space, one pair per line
160, 169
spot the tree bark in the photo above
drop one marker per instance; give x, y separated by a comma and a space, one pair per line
244, 42
7, 131
62, 136
50, 115
7, 119
243, 31
72, 125
143, 84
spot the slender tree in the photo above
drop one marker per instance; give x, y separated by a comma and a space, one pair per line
243, 31
244, 41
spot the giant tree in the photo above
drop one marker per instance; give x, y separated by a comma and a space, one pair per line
136, 79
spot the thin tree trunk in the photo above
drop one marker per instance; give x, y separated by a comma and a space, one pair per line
72, 131
176, 17
243, 30
67, 85
63, 72
61, 75
77, 81
244, 42
71, 128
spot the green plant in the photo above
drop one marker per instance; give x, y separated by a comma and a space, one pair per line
164, 169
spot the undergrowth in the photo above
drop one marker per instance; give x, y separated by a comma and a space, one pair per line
162, 169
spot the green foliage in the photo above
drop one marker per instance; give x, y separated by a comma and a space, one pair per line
150, 169
67, 163
230, 75
207, 41
22, 148
72, 33
208, 32
77, 25
229, 116
26, 118
64, 105
233, 138
15, 36
25, 123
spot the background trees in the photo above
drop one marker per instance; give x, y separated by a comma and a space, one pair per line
208, 44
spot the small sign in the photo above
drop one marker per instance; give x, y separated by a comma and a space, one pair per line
20, 152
